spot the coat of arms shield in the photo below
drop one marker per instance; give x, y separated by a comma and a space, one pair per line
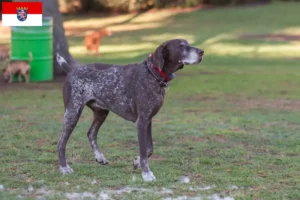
21, 15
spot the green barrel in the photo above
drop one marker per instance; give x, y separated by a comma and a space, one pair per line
39, 41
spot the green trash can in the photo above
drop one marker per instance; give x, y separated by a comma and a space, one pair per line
39, 41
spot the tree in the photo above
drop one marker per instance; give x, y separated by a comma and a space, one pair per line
60, 43
51, 8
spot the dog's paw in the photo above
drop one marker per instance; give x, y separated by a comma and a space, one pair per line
136, 163
66, 170
101, 159
102, 162
148, 176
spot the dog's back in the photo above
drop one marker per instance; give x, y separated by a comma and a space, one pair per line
17, 65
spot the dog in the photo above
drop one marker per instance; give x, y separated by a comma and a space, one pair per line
134, 92
4, 53
20, 67
93, 41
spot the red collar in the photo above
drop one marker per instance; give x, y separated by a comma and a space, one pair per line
161, 73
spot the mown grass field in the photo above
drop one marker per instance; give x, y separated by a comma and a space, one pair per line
231, 124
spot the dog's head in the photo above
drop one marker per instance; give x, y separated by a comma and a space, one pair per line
172, 55
105, 32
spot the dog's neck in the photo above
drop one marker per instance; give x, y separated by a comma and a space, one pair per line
161, 77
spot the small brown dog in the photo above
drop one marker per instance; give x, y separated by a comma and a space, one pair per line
4, 53
20, 67
93, 40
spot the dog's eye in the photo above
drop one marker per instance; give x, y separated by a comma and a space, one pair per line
182, 46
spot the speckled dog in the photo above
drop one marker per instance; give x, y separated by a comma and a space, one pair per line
135, 92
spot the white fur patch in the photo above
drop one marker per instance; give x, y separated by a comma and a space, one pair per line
60, 59
192, 58
148, 176
100, 157
66, 170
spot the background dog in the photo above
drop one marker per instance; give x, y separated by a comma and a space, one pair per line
20, 67
93, 41
4, 53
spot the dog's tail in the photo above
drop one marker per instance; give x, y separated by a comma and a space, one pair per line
67, 67
63, 63
30, 56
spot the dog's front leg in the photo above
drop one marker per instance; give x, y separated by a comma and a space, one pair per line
136, 161
142, 125
27, 77
149, 140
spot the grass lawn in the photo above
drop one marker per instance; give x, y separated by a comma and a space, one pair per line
229, 127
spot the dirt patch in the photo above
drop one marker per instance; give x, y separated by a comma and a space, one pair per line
201, 72
202, 110
202, 98
46, 85
157, 157
276, 104
218, 138
41, 142
245, 103
271, 37
193, 138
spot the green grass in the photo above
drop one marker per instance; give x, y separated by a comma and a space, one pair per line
231, 123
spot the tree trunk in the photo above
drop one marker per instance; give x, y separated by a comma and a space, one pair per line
51, 8
60, 43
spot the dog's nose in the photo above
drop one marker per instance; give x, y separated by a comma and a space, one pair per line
200, 52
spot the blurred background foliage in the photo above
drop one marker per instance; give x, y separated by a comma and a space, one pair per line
124, 6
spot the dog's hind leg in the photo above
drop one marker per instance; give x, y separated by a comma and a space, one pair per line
99, 118
71, 116
20, 77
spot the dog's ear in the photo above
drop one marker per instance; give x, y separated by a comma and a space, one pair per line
158, 58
